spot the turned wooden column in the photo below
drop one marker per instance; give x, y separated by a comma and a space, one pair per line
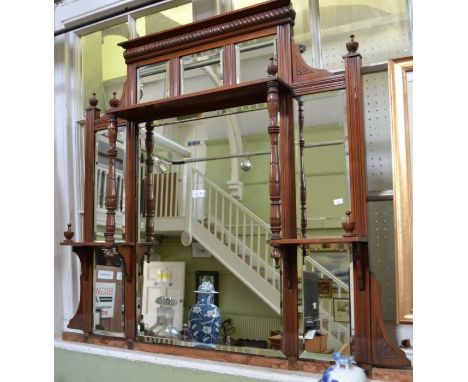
111, 197
149, 189
303, 190
274, 175
83, 317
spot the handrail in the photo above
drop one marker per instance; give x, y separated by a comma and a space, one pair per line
238, 228
234, 201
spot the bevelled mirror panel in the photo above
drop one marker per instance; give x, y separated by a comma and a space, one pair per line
325, 319
153, 82
218, 234
101, 172
252, 58
326, 164
201, 71
108, 294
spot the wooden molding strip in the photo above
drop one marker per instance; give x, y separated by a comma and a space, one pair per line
235, 27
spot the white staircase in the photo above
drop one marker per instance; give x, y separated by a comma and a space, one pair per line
338, 334
234, 235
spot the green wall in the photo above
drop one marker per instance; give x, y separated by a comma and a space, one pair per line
234, 296
325, 170
70, 366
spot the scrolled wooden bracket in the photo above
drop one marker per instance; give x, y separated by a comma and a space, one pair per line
302, 71
126, 252
385, 352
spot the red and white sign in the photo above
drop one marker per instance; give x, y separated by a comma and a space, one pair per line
104, 295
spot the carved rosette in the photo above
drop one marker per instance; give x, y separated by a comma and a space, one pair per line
111, 195
149, 190
274, 176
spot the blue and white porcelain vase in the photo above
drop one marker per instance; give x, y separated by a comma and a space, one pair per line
343, 371
204, 318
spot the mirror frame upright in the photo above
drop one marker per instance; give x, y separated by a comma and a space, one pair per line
294, 78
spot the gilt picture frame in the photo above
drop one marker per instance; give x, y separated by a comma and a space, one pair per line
400, 73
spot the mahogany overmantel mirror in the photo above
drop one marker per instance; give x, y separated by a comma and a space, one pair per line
225, 78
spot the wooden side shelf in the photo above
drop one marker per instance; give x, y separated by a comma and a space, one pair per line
247, 93
320, 240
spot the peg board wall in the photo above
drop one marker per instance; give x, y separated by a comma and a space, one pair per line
379, 177
378, 137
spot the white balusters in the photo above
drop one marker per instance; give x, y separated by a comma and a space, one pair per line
241, 231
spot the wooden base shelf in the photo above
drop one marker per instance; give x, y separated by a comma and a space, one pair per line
320, 240
303, 365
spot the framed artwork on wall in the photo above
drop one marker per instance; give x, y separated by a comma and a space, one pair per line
325, 288
341, 310
211, 276
199, 251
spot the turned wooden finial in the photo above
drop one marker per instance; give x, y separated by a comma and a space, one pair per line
114, 102
352, 46
348, 225
68, 233
272, 68
93, 101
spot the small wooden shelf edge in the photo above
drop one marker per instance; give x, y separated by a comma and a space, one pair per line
320, 240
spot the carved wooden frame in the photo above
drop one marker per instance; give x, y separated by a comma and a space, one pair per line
289, 77
398, 70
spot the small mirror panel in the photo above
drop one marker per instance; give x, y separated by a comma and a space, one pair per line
153, 82
201, 71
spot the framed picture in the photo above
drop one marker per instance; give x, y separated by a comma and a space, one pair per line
211, 276
341, 310
325, 288
200, 252
400, 73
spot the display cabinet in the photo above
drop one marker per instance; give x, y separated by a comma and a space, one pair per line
219, 48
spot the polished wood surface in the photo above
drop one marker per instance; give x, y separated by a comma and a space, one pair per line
289, 78
356, 139
82, 316
246, 93
303, 72
274, 176
303, 188
150, 203
308, 366
319, 85
236, 23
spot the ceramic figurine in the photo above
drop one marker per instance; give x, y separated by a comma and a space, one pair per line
204, 317
343, 371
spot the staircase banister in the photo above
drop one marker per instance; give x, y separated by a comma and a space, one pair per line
326, 272
232, 200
